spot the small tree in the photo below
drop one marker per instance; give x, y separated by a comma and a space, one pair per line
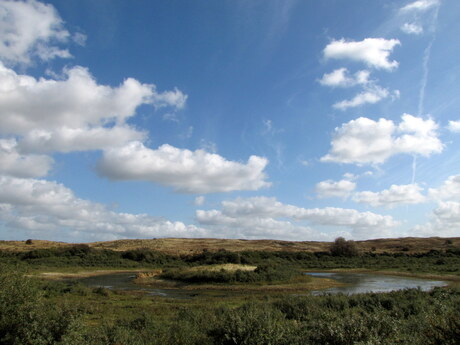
29, 241
342, 247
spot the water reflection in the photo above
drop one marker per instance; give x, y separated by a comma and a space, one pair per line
365, 282
355, 283
124, 281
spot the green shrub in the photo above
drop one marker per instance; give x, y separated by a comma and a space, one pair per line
251, 324
342, 247
26, 317
262, 274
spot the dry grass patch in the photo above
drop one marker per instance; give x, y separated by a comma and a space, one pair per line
186, 246
22, 246
225, 267
80, 274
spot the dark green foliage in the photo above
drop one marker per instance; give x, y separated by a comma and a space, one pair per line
60, 288
26, 317
140, 331
34, 312
148, 256
443, 325
251, 324
191, 327
101, 291
444, 262
81, 255
214, 258
341, 320
85, 256
262, 274
342, 247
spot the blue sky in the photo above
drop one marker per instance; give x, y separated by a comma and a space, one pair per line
283, 119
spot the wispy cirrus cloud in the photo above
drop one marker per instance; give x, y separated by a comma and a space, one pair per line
420, 6
412, 28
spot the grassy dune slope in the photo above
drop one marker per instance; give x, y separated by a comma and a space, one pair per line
193, 245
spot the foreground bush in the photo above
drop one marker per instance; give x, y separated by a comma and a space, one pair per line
33, 313
252, 324
26, 318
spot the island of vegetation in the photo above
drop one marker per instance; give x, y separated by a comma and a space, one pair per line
231, 292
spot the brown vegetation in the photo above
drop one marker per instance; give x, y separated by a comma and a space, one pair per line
180, 246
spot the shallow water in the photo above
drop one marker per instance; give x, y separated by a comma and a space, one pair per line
366, 282
355, 283
124, 281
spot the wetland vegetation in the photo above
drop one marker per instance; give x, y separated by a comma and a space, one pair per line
245, 297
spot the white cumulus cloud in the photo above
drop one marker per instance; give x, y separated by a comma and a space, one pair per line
66, 139
199, 200
169, 98
449, 190
374, 52
256, 227
75, 113
370, 95
78, 101
454, 126
334, 189
365, 141
394, 196
30, 29
33, 205
13, 163
445, 218
342, 78
184, 170
243, 212
445, 221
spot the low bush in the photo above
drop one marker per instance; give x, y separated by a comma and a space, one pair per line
25, 315
251, 324
262, 274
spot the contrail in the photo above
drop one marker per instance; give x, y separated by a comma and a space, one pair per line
425, 63
426, 60
424, 81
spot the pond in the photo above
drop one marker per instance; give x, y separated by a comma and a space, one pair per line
353, 283
124, 281
367, 282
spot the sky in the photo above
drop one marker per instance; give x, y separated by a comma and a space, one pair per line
253, 119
